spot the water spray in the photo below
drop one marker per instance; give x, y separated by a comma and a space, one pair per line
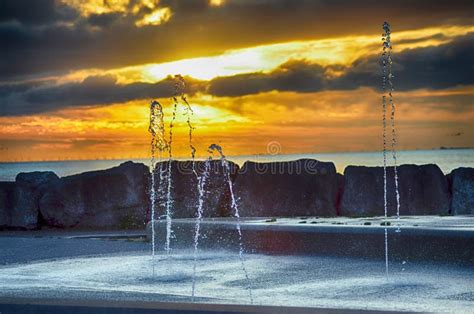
384, 137
226, 167
387, 89
199, 211
158, 145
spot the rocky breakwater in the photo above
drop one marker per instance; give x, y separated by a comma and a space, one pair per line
118, 198
304, 187
112, 198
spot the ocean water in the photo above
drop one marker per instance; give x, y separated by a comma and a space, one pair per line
447, 160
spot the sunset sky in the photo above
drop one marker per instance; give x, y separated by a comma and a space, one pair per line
77, 77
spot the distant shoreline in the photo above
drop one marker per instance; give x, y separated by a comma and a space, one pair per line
230, 157
447, 148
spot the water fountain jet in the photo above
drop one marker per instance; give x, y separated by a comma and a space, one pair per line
216, 148
199, 211
158, 145
387, 89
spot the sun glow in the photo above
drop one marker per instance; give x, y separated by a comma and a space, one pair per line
157, 17
343, 120
89, 7
210, 67
267, 57
216, 3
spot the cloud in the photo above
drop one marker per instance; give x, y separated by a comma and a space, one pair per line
103, 20
438, 36
336, 121
37, 12
435, 67
94, 90
298, 76
439, 67
194, 29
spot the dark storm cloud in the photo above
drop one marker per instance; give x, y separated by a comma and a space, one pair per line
94, 90
434, 67
296, 76
34, 12
438, 36
195, 29
7, 89
437, 67
103, 20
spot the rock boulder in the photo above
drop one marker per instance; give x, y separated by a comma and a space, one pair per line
29, 188
462, 189
105, 199
184, 191
7, 202
423, 191
304, 187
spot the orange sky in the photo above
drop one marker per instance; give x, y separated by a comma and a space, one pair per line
329, 119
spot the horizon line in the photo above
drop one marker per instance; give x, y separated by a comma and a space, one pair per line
229, 156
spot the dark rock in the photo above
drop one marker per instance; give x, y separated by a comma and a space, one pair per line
462, 189
184, 193
7, 202
28, 191
340, 192
423, 191
112, 198
304, 187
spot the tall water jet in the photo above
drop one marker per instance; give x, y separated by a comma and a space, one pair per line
158, 145
180, 87
387, 88
388, 58
199, 211
386, 44
178, 91
226, 168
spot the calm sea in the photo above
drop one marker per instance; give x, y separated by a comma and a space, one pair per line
447, 160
